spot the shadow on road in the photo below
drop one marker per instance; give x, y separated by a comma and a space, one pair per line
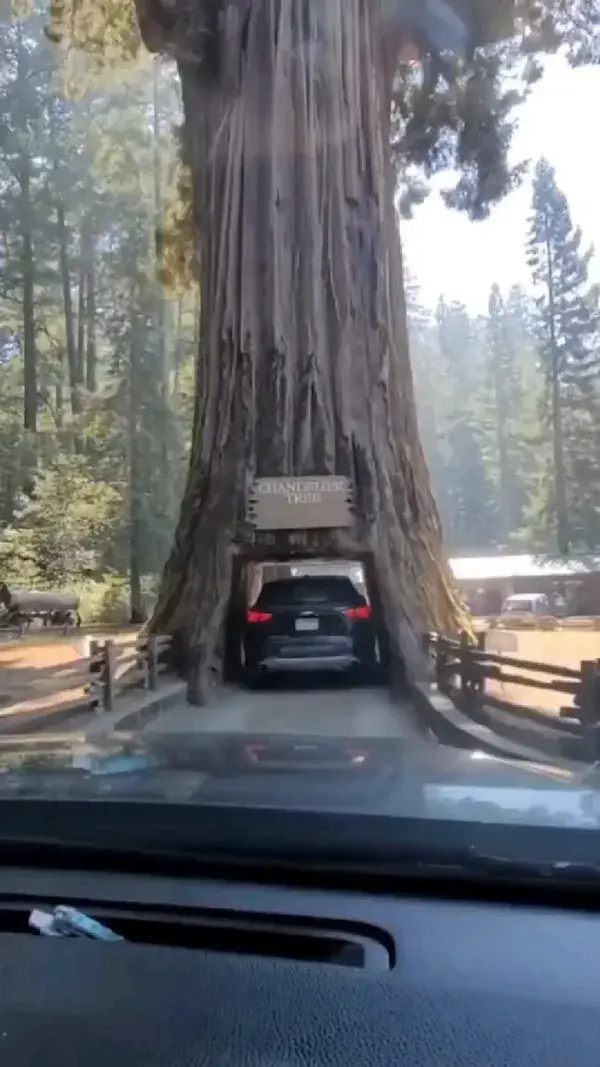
297, 681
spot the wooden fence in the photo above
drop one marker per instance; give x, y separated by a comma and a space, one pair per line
540, 622
461, 670
34, 694
116, 668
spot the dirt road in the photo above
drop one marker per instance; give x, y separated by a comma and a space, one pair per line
41, 674
566, 648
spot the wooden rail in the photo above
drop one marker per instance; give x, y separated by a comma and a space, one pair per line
461, 669
32, 696
540, 622
117, 668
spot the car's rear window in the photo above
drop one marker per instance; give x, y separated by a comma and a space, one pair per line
294, 591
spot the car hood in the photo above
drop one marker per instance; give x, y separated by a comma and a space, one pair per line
380, 776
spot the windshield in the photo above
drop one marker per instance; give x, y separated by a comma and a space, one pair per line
308, 591
300, 395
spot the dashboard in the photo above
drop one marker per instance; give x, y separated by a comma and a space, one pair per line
440, 982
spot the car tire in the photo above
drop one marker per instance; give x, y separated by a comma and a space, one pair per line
253, 676
369, 668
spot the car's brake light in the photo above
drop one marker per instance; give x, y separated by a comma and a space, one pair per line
259, 616
364, 612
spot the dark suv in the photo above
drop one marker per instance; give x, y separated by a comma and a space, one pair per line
309, 624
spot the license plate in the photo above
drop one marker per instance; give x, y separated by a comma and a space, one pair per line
307, 624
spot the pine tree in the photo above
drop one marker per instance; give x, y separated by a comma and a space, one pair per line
567, 325
467, 500
430, 383
505, 385
104, 399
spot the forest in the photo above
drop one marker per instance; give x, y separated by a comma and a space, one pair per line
98, 354
509, 401
96, 357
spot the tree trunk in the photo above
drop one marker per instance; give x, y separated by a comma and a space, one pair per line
81, 305
133, 441
30, 400
303, 355
91, 383
30, 367
560, 481
65, 275
504, 478
162, 307
59, 397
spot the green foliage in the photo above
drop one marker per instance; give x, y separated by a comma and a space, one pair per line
89, 497
105, 600
503, 408
567, 326
480, 390
509, 403
64, 530
463, 118
444, 114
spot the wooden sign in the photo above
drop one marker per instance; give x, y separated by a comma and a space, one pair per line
315, 503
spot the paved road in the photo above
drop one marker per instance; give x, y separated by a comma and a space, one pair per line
319, 712
334, 710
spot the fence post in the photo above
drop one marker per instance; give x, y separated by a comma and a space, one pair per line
108, 676
589, 706
152, 661
427, 649
465, 668
96, 669
439, 661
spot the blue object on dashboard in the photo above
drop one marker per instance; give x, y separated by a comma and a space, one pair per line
68, 922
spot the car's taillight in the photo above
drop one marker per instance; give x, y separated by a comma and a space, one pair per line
364, 612
259, 616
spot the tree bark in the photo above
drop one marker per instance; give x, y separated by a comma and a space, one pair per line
133, 442
303, 357
90, 356
81, 304
560, 481
162, 307
30, 360
65, 275
30, 397
505, 518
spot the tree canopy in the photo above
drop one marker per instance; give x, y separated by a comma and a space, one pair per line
456, 115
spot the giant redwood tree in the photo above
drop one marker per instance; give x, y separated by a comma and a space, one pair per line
300, 118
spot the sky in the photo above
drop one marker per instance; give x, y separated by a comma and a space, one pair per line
449, 255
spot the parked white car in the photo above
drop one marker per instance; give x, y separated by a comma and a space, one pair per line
533, 604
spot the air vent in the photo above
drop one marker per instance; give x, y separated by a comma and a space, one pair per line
303, 940
245, 935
